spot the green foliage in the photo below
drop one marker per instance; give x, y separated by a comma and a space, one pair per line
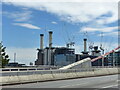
4, 58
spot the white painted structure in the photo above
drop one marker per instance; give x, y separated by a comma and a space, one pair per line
85, 63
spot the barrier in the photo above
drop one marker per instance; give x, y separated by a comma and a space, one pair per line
85, 63
100, 72
58, 74
35, 76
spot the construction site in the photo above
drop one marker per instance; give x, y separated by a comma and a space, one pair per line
62, 56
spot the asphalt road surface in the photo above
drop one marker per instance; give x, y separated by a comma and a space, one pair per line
100, 82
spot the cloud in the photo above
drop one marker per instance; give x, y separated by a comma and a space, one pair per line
76, 12
23, 55
53, 22
27, 25
104, 29
62, 1
19, 16
115, 34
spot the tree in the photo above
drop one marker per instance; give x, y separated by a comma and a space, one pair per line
4, 58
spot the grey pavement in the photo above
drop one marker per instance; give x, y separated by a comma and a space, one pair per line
100, 82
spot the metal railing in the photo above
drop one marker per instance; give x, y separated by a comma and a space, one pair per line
19, 73
38, 69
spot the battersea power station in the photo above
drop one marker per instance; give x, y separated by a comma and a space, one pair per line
61, 56
58, 56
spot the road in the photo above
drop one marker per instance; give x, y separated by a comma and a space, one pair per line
100, 82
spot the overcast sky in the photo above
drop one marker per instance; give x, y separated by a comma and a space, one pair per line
22, 22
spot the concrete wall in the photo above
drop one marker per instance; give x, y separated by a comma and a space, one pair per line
85, 63
44, 75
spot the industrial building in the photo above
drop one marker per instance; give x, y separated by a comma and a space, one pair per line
114, 58
64, 56
61, 56
58, 56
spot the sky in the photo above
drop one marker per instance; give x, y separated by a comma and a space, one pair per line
23, 22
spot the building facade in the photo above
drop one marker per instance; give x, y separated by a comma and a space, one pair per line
114, 58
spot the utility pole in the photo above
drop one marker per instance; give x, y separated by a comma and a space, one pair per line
113, 59
14, 57
103, 61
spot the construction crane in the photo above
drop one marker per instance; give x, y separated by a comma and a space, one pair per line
70, 44
101, 46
